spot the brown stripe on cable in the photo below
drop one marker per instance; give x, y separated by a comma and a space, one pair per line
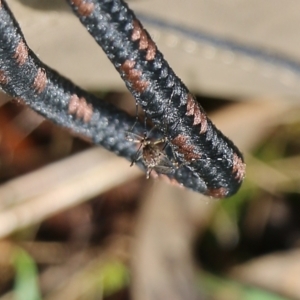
217, 193
21, 53
83, 8
145, 41
80, 108
134, 76
40, 81
186, 149
193, 109
239, 168
3, 78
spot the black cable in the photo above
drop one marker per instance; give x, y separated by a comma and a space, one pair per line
23, 76
165, 99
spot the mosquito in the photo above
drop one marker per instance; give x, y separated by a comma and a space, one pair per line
152, 153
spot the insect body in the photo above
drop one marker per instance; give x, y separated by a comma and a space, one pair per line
152, 154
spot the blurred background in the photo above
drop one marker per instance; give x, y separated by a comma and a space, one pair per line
76, 222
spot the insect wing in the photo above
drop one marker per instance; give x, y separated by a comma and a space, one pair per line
132, 137
165, 165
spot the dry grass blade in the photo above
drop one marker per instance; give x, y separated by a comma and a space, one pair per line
247, 123
85, 282
289, 166
267, 177
4, 98
74, 189
278, 272
38, 182
28, 120
162, 263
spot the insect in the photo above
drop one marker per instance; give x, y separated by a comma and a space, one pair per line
148, 77
152, 153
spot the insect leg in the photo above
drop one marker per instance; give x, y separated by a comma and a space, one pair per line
137, 155
136, 115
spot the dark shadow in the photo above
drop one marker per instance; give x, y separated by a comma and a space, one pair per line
46, 4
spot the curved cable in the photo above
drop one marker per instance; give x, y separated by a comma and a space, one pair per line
162, 95
208, 162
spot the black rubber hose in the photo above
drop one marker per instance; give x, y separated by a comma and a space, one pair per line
165, 99
209, 162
